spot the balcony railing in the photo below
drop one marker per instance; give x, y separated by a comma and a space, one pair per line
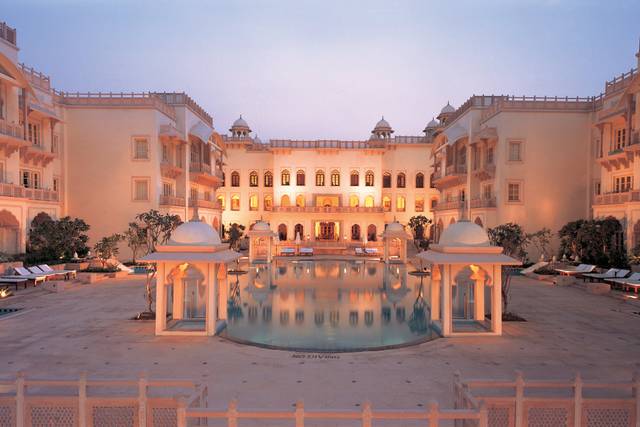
209, 204
11, 129
328, 209
546, 103
36, 77
456, 169
199, 167
41, 194
171, 200
449, 205
483, 202
617, 198
8, 34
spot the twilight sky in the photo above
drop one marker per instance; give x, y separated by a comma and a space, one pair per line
321, 69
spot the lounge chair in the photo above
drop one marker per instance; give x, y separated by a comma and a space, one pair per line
371, 251
581, 269
622, 282
23, 273
609, 274
359, 251
306, 251
67, 273
15, 281
288, 251
36, 270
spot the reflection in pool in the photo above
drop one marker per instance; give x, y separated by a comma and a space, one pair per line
328, 306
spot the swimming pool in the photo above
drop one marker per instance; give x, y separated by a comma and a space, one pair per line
330, 305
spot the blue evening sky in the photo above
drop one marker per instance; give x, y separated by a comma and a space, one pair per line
328, 69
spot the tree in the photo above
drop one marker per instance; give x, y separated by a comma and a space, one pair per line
158, 227
596, 241
418, 224
51, 239
136, 237
235, 233
541, 240
107, 248
511, 237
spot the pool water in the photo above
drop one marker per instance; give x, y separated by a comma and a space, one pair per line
328, 306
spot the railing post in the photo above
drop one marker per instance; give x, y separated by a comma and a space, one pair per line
434, 413
142, 399
519, 399
577, 401
366, 414
82, 399
20, 407
232, 414
299, 413
181, 413
484, 415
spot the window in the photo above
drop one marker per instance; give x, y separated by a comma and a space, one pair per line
368, 179
30, 179
55, 144
207, 196
622, 184
487, 192
513, 192
434, 203
140, 149
401, 180
268, 203
419, 204
320, 179
165, 153
140, 190
300, 202
235, 179
253, 202
620, 138
419, 180
195, 153
56, 184
285, 178
597, 188
515, 151
268, 179
355, 179
386, 204
368, 202
335, 178
193, 194
285, 201
253, 179
354, 201
35, 135
300, 178
489, 156
167, 189
221, 201
235, 202
386, 180
400, 204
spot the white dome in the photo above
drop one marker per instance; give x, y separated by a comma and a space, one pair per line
261, 226
194, 233
433, 124
383, 124
394, 227
464, 233
240, 123
447, 109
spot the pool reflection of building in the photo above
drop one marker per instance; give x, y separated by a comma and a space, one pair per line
330, 305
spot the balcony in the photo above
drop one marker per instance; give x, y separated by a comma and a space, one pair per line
171, 201
454, 175
207, 204
617, 198
618, 158
201, 173
485, 171
328, 209
17, 191
170, 170
11, 137
482, 202
36, 155
450, 205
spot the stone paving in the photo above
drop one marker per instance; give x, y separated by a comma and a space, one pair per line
87, 328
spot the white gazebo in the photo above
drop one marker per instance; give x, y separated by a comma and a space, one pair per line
395, 239
261, 242
466, 280
189, 298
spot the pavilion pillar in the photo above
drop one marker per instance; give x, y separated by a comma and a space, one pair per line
223, 296
446, 300
436, 283
161, 300
478, 300
178, 299
496, 300
210, 304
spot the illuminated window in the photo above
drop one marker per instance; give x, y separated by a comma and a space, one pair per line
235, 202
419, 204
221, 201
300, 178
285, 201
386, 203
268, 203
368, 179
354, 201
235, 179
335, 178
300, 201
268, 179
285, 178
253, 202
355, 179
253, 179
400, 204
419, 180
320, 179
368, 202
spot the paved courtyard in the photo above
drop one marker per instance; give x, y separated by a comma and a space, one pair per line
87, 328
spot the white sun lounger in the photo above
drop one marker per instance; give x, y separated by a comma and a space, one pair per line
359, 251
371, 251
581, 269
36, 270
67, 273
288, 251
23, 273
635, 277
306, 251
609, 274
14, 280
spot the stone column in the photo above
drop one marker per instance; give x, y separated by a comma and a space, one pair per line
161, 300
212, 281
436, 283
478, 300
447, 324
496, 302
223, 296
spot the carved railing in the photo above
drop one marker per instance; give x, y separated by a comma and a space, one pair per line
40, 194
483, 202
617, 198
36, 77
328, 209
171, 200
118, 99
8, 34
11, 129
547, 103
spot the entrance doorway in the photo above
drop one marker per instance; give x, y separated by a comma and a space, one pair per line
327, 231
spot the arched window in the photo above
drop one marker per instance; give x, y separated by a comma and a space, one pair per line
368, 179
401, 180
285, 201
368, 202
253, 179
298, 230
268, 202
282, 232
235, 179
419, 207
401, 204
300, 201
253, 202
371, 233
320, 178
285, 178
268, 179
386, 203
419, 180
235, 202
355, 178
355, 232
354, 201
221, 201
300, 178
335, 178
386, 180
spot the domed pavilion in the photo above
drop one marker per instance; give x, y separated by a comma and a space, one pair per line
466, 281
189, 298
